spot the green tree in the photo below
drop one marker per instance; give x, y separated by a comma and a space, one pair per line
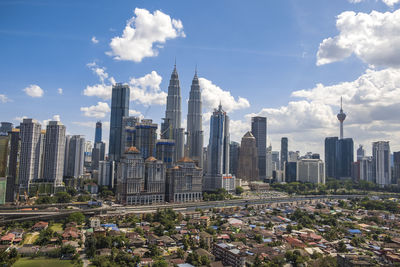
239, 190
76, 217
63, 197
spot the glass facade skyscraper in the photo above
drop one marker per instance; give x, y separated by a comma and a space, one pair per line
98, 133
259, 131
284, 152
119, 109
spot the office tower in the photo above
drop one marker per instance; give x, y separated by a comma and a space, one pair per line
145, 138
140, 182
284, 152
4, 151
5, 128
128, 132
259, 131
106, 173
366, 170
165, 151
54, 151
171, 127
234, 148
248, 159
269, 163
184, 182
29, 163
396, 167
88, 155
381, 163
13, 164
98, 154
66, 152
98, 137
291, 171
330, 156
355, 171
194, 123
119, 109
130, 177
344, 157
360, 153
154, 181
275, 160
75, 145
311, 171
218, 150
341, 117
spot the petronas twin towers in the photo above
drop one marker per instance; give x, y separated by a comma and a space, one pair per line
171, 127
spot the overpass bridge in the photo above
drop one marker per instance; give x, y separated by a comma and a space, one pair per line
7, 216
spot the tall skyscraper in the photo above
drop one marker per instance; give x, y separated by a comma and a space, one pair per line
381, 163
75, 146
98, 132
344, 157
4, 151
284, 152
248, 159
396, 167
98, 154
360, 153
275, 160
165, 151
54, 152
259, 131
13, 163
341, 117
218, 149
29, 163
171, 127
234, 148
119, 109
145, 138
269, 164
194, 123
366, 170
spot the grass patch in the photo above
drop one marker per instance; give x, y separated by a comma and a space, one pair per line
57, 227
31, 238
42, 262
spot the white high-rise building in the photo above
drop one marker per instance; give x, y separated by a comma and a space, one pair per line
54, 152
381, 163
366, 169
29, 163
311, 171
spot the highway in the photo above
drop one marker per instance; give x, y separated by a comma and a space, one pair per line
7, 215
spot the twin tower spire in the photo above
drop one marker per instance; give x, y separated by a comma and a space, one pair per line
171, 127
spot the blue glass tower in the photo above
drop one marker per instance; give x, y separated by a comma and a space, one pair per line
119, 109
98, 133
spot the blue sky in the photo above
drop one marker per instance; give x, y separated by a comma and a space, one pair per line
262, 51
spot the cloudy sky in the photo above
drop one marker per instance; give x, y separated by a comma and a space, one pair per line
288, 60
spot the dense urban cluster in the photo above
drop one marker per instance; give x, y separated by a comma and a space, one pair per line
83, 204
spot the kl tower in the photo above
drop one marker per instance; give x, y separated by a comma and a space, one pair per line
341, 117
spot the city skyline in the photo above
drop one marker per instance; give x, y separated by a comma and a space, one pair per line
292, 108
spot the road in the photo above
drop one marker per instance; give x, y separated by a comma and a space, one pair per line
9, 216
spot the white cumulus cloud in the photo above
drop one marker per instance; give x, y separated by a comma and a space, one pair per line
370, 102
104, 88
60, 91
212, 95
98, 111
55, 118
389, 3
34, 90
94, 40
374, 38
4, 98
142, 32
146, 90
